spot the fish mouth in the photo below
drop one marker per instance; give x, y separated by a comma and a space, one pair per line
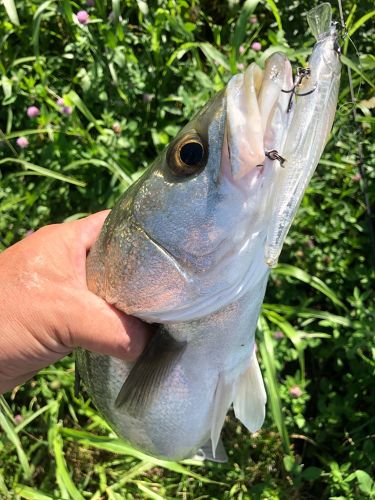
257, 123
276, 134
256, 115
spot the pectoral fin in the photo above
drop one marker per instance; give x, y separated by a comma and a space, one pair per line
149, 373
250, 397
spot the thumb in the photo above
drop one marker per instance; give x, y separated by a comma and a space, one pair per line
99, 327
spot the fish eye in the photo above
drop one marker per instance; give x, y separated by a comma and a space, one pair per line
187, 156
191, 153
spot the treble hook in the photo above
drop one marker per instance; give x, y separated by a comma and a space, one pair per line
301, 74
274, 155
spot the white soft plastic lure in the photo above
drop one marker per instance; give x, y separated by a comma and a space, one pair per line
189, 249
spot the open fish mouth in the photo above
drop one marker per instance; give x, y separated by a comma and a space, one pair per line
280, 126
256, 114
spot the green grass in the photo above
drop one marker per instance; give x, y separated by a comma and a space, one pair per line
132, 81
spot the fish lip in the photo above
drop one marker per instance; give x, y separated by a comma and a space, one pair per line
254, 98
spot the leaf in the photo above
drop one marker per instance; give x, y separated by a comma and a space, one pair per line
8, 428
43, 171
11, 10
62, 473
45, 10
116, 445
147, 493
77, 101
116, 9
311, 473
268, 357
313, 281
365, 482
360, 22
112, 167
348, 62
209, 51
30, 493
242, 23
35, 415
214, 54
275, 11
143, 7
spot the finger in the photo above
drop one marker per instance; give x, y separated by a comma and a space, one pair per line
99, 327
8, 384
88, 228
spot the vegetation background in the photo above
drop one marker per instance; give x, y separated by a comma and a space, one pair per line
90, 93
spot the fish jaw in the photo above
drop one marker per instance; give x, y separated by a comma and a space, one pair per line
253, 101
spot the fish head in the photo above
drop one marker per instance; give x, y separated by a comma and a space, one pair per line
188, 237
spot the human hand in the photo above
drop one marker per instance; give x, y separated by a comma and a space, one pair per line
46, 309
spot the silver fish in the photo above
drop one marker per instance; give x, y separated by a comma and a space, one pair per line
189, 248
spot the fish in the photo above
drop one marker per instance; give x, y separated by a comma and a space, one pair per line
189, 247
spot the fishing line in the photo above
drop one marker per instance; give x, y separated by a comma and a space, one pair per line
361, 158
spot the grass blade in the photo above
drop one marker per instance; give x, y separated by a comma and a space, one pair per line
240, 30
37, 19
360, 22
147, 493
275, 11
112, 167
32, 131
291, 333
268, 356
308, 313
243, 20
34, 415
116, 9
5, 408
30, 493
313, 281
11, 10
8, 427
138, 469
62, 472
116, 445
43, 171
213, 54
3, 489
348, 62
77, 101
